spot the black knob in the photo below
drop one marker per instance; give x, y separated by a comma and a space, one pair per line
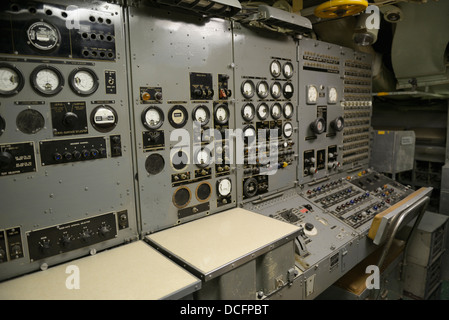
308, 226
86, 236
76, 154
338, 124
45, 245
198, 93
85, 153
94, 153
57, 156
6, 160
104, 230
158, 95
68, 156
70, 119
102, 152
66, 241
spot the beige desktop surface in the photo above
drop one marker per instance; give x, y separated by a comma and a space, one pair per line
132, 271
209, 243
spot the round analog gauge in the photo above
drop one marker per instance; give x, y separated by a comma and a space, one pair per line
83, 81
203, 158
178, 116
201, 114
276, 90
249, 134
47, 80
312, 94
248, 89
152, 117
11, 80
332, 95
224, 187
338, 123
262, 111
275, 68
276, 111
250, 187
248, 112
287, 70
318, 126
43, 36
288, 110
287, 90
104, 118
287, 130
221, 114
262, 89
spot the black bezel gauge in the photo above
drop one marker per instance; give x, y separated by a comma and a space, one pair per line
248, 112
288, 90
248, 89
262, 89
11, 80
43, 36
263, 114
287, 70
104, 118
201, 114
152, 117
276, 111
276, 90
178, 116
287, 129
275, 68
288, 110
47, 80
218, 116
224, 187
83, 81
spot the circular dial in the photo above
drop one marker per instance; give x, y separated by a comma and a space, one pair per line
152, 117
312, 94
43, 36
262, 89
178, 116
181, 197
287, 70
276, 111
248, 112
262, 111
47, 80
11, 80
288, 110
203, 158
287, 91
203, 191
332, 95
275, 68
318, 126
248, 89
224, 187
338, 123
104, 118
287, 130
201, 114
83, 81
276, 90
221, 114
250, 187
249, 134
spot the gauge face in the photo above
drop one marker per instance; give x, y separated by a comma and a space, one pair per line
276, 90
275, 68
288, 110
262, 111
248, 89
203, 158
104, 118
249, 135
152, 117
224, 187
47, 80
248, 112
287, 70
43, 36
221, 114
276, 111
318, 126
262, 89
11, 80
332, 95
312, 94
83, 81
201, 114
287, 91
338, 124
178, 116
287, 130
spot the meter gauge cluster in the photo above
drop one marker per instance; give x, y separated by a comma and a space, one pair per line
321, 94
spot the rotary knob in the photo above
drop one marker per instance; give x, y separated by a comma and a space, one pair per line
70, 119
6, 160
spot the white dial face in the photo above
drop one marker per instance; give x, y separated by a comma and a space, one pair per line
47, 80
9, 79
276, 111
224, 187
248, 89
178, 116
288, 130
249, 132
332, 95
248, 112
312, 94
276, 90
262, 89
83, 81
262, 111
275, 68
221, 114
288, 110
288, 70
201, 115
203, 157
153, 117
104, 116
